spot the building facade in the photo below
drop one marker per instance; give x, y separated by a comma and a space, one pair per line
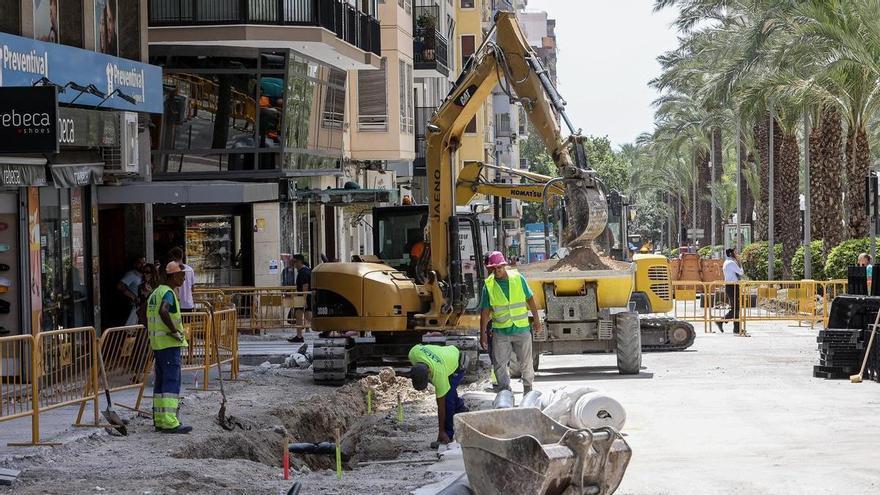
80, 65
256, 136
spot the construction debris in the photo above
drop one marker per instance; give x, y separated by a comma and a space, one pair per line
8, 476
578, 259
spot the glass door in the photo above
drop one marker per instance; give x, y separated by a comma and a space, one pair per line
63, 258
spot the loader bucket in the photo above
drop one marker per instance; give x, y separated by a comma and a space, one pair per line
587, 211
524, 451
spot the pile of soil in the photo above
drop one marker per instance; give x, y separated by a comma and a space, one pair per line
579, 259
387, 386
265, 447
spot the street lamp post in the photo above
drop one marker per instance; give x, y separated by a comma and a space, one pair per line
808, 254
771, 262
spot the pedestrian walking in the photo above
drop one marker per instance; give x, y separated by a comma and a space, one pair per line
129, 287
506, 301
733, 273
185, 292
151, 281
303, 284
444, 367
165, 328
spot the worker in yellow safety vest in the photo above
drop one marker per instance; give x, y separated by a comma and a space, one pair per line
165, 327
506, 302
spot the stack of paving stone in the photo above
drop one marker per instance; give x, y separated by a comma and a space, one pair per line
840, 353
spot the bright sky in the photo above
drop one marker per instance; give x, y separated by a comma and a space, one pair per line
607, 55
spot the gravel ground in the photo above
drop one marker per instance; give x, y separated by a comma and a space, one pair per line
275, 407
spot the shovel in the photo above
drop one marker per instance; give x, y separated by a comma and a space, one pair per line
109, 413
226, 422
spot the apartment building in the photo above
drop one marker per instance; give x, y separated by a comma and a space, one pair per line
435, 68
511, 127
255, 156
80, 67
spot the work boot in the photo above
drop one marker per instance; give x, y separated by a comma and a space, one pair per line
180, 429
720, 326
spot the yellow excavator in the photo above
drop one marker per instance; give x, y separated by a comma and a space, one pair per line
402, 296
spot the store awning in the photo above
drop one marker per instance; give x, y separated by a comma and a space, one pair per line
77, 174
342, 197
18, 171
173, 192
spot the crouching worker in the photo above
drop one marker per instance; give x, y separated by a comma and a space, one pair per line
165, 327
444, 367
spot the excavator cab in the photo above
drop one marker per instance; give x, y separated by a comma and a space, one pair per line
399, 240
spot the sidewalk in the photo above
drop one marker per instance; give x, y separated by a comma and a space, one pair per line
57, 425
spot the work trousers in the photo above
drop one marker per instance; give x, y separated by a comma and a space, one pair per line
732, 292
166, 388
454, 403
505, 346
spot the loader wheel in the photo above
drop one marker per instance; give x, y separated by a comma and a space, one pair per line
628, 340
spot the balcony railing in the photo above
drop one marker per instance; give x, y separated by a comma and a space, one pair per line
349, 24
430, 48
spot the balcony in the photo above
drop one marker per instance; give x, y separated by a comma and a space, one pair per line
430, 48
294, 24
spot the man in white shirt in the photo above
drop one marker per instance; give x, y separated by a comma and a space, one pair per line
732, 275
185, 292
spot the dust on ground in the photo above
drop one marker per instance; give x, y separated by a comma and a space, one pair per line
275, 407
578, 259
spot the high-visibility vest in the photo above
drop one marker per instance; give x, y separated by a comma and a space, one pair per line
510, 310
161, 337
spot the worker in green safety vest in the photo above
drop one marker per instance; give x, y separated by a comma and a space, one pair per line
506, 302
165, 327
444, 367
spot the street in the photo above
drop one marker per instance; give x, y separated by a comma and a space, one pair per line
737, 415
730, 415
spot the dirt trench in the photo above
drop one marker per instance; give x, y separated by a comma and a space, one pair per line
316, 419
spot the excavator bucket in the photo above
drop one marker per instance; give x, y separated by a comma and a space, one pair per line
522, 450
587, 212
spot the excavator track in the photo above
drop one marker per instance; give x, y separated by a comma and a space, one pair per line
666, 334
331, 361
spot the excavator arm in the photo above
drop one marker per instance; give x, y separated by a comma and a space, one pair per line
505, 57
534, 188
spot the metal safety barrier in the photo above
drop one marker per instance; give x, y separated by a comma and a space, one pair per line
128, 360
18, 389
804, 302
197, 357
225, 330
258, 308
689, 302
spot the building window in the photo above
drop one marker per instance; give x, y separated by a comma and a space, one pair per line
472, 126
406, 5
129, 30
372, 100
468, 46
10, 16
407, 112
467, 4
334, 101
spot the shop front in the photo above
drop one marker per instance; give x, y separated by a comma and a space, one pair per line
52, 158
19, 176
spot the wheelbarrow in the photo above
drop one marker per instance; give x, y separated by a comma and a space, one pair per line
523, 451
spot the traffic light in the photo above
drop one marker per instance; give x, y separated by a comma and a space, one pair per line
871, 191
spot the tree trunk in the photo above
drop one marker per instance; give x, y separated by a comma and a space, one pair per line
826, 174
858, 163
761, 143
704, 204
747, 202
787, 200
718, 167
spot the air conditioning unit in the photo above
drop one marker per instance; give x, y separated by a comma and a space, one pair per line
128, 142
